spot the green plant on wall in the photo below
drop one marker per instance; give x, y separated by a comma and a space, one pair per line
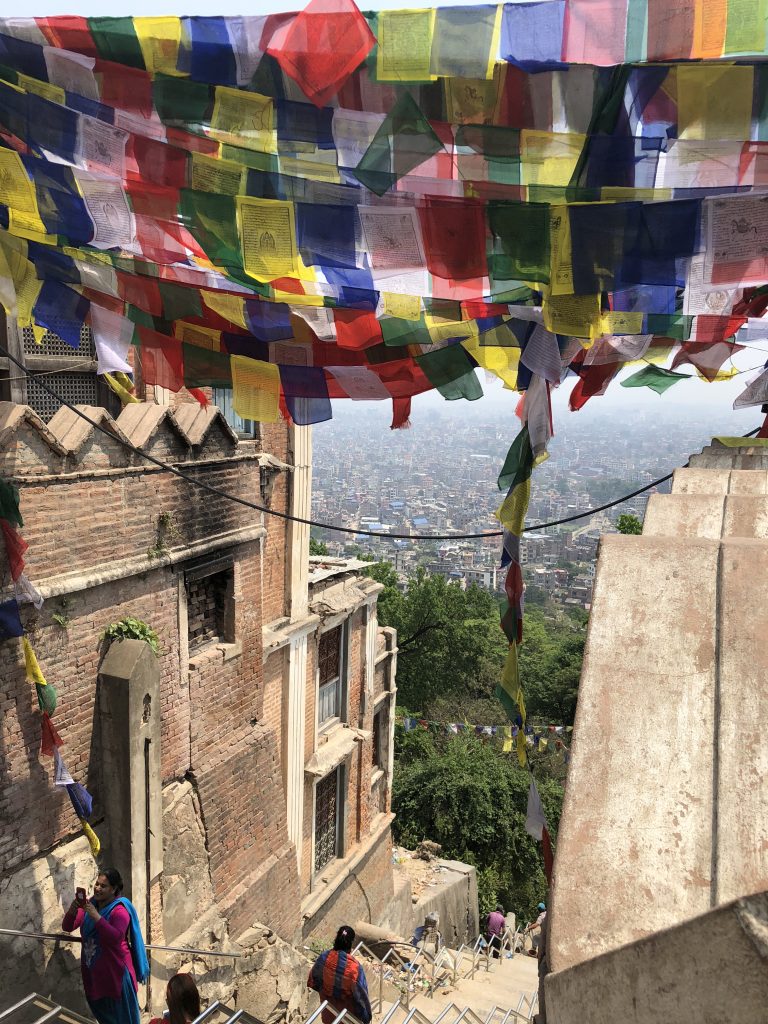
132, 629
61, 617
167, 529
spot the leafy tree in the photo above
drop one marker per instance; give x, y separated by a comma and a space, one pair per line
317, 547
627, 523
449, 640
472, 798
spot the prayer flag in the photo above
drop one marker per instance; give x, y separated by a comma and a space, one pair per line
654, 377
256, 389
10, 620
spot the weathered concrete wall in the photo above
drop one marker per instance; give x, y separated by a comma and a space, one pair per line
455, 900
712, 969
666, 807
34, 898
364, 890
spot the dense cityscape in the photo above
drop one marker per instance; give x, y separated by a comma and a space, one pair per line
439, 477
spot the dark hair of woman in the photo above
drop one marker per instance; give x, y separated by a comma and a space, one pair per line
114, 878
183, 999
345, 936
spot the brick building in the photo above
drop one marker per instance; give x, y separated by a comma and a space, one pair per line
276, 686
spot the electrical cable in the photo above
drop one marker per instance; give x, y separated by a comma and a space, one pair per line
167, 468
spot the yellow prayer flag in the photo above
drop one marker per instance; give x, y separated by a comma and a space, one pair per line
196, 334
246, 119
507, 744
404, 307
231, 307
720, 376
255, 389
560, 263
117, 386
615, 322
522, 754
405, 45
268, 238
38, 332
577, 315
54, 93
159, 40
18, 193
93, 839
501, 361
225, 177
714, 101
316, 168
473, 100
549, 158
622, 193
448, 330
31, 667
511, 512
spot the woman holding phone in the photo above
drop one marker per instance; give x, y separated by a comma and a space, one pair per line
114, 958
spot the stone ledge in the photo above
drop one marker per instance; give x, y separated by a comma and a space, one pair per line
313, 903
70, 583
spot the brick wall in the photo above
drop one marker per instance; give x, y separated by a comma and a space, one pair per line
83, 517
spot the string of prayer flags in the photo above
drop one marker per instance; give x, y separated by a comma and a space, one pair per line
11, 626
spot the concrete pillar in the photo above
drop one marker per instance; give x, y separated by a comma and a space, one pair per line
297, 699
131, 780
298, 533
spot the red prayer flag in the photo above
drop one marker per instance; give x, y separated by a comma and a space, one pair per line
68, 32
706, 356
49, 739
321, 47
161, 360
401, 413
454, 237
15, 546
356, 328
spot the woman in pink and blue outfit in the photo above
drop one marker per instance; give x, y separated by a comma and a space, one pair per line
114, 958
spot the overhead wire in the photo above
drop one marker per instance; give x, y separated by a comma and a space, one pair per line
354, 531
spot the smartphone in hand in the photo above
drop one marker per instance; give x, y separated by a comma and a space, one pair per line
80, 896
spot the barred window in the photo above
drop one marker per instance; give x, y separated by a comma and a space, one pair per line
330, 659
327, 831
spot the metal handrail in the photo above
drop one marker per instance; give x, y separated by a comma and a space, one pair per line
66, 937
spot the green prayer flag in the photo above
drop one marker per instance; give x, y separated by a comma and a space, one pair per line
654, 377
205, 368
179, 302
116, 40
180, 101
212, 220
404, 140
518, 464
46, 697
670, 325
452, 372
404, 332
521, 236
9, 503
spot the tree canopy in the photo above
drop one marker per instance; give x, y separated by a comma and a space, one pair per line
472, 798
